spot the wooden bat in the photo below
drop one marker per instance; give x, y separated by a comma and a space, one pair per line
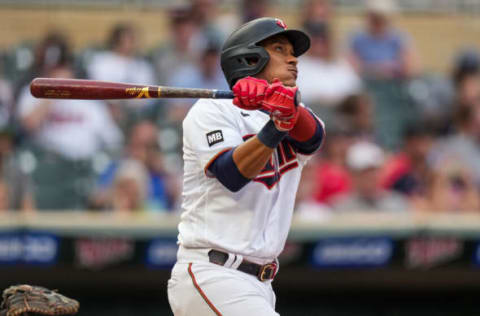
50, 88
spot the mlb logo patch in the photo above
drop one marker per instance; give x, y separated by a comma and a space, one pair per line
214, 137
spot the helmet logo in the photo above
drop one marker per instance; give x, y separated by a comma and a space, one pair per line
281, 23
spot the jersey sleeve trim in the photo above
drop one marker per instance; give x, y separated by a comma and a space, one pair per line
212, 160
226, 172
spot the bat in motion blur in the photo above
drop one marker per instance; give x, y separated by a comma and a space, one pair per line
49, 88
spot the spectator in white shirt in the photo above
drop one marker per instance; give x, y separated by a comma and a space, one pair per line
74, 129
66, 135
325, 80
120, 63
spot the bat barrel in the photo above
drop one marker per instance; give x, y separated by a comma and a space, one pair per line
59, 88
56, 88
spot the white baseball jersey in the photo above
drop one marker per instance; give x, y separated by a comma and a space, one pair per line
253, 222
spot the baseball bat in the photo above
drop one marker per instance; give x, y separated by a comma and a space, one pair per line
50, 88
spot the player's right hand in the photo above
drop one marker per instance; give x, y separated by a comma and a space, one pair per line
249, 93
281, 103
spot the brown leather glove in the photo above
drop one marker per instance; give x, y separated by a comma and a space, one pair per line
19, 300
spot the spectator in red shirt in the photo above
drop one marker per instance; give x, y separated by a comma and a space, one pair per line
332, 177
408, 171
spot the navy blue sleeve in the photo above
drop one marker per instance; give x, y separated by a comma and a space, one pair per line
226, 171
309, 146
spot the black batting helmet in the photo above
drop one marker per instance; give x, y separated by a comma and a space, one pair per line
242, 45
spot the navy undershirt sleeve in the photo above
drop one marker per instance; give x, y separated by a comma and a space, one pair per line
309, 146
226, 171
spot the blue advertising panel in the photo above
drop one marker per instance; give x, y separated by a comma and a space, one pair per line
352, 252
28, 248
161, 253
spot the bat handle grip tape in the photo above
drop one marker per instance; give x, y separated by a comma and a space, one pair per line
224, 94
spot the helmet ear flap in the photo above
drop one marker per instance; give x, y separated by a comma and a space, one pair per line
238, 62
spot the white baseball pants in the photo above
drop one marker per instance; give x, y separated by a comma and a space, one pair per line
200, 288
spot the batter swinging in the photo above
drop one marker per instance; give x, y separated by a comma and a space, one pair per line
243, 162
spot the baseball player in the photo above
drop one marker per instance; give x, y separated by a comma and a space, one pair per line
243, 162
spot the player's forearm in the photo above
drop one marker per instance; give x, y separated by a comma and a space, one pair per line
236, 167
251, 157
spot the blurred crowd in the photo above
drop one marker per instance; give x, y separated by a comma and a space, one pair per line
398, 139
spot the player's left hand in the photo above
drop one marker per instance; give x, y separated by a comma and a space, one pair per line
280, 102
249, 93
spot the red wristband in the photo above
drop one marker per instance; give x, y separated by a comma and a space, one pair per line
305, 127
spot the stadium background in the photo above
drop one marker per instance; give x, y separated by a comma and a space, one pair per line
63, 225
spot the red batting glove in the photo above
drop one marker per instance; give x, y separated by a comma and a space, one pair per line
279, 101
249, 93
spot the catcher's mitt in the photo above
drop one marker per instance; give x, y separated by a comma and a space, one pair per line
22, 300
